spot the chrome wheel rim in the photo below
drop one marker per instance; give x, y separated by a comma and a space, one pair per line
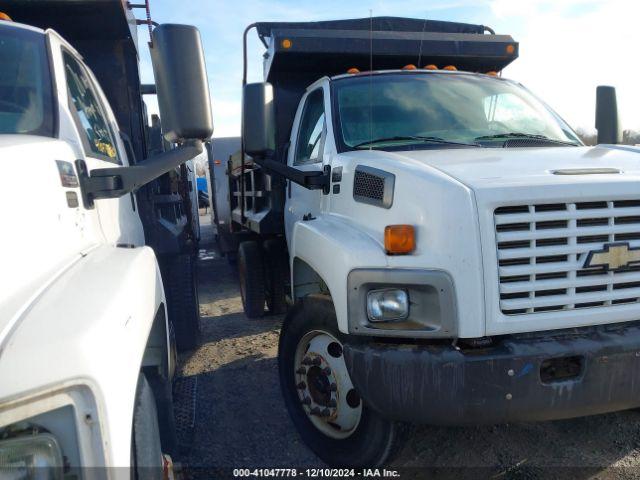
324, 387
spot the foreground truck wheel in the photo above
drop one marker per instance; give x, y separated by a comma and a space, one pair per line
146, 449
322, 402
181, 289
252, 281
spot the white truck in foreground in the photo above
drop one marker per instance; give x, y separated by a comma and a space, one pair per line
456, 254
87, 355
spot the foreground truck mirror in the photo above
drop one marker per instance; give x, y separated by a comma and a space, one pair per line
258, 119
607, 121
181, 83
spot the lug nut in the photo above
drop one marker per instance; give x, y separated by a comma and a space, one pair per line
333, 387
326, 371
306, 401
316, 361
302, 386
315, 411
325, 413
306, 361
301, 371
333, 403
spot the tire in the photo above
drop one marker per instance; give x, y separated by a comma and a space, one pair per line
373, 441
163, 394
147, 461
251, 275
276, 275
181, 289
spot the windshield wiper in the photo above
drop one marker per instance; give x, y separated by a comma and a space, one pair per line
418, 138
509, 135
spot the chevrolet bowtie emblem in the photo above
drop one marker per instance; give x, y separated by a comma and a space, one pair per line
614, 256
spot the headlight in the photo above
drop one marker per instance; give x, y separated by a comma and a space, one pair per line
387, 305
31, 457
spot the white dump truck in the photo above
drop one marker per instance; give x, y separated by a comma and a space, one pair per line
87, 352
455, 254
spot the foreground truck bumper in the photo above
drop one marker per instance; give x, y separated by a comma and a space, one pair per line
544, 377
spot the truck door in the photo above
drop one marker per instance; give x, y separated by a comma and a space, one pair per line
103, 149
306, 152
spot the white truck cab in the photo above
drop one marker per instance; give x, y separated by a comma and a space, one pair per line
456, 254
86, 351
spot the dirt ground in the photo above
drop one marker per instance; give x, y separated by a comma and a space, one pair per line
242, 422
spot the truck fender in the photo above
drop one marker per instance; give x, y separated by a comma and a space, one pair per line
323, 251
95, 320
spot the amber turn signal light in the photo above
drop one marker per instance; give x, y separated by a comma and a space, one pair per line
431, 66
411, 66
399, 239
353, 71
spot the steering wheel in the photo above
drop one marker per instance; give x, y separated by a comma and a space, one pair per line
17, 108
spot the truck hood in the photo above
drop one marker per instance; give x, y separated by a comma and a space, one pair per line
480, 168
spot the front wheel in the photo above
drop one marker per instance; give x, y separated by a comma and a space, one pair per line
322, 402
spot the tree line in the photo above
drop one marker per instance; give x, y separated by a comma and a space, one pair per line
629, 137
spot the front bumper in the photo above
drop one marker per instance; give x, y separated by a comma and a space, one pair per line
439, 384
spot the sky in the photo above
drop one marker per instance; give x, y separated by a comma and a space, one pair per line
567, 47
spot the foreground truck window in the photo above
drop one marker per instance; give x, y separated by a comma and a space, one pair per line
401, 110
25, 84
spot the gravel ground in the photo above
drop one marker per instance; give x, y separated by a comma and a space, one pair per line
242, 421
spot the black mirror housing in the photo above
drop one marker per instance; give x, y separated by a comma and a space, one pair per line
607, 120
258, 119
181, 82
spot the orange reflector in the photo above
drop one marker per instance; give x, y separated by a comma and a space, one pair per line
450, 68
492, 73
217, 162
511, 49
286, 43
431, 66
399, 239
411, 66
353, 70
4, 16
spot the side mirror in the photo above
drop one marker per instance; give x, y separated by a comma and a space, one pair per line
607, 121
181, 83
258, 119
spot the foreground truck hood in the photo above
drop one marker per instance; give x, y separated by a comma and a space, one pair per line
542, 212
480, 168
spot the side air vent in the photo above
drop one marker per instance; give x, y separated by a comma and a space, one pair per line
373, 186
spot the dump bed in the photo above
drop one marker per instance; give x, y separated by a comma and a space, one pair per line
298, 53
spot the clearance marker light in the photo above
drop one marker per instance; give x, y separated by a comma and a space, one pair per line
286, 43
492, 73
451, 68
511, 49
411, 66
431, 66
399, 239
4, 16
353, 71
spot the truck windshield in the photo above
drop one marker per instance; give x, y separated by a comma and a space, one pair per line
439, 110
25, 83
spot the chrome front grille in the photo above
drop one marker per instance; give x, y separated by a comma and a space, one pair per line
542, 250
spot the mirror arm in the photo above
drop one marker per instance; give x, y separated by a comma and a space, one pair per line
118, 181
311, 180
